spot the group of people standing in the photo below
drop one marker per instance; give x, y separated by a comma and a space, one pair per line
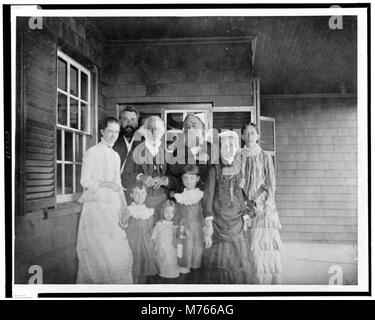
149, 218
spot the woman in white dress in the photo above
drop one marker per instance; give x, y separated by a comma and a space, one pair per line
104, 255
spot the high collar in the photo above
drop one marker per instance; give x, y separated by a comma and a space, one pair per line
252, 151
167, 222
105, 143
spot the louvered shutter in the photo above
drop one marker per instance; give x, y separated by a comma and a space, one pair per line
230, 120
39, 103
267, 136
39, 165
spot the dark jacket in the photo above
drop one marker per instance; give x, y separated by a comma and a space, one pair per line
128, 174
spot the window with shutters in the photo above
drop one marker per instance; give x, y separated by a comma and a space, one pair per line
72, 125
267, 136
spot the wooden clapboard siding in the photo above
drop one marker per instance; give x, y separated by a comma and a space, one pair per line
316, 174
39, 103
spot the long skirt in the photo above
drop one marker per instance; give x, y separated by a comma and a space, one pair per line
104, 255
229, 260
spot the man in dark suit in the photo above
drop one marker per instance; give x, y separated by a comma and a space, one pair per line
125, 144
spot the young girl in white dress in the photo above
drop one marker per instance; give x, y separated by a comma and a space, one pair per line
104, 255
163, 238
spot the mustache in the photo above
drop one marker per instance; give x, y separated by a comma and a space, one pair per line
128, 129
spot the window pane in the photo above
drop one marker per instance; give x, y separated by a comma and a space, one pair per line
73, 113
61, 71
74, 81
59, 181
175, 121
68, 146
68, 178
84, 117
62, 109
79, 188
79, 147
58, 138
84, 86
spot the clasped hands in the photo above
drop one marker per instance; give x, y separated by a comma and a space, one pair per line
156, 182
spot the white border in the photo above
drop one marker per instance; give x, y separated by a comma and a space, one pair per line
32, 290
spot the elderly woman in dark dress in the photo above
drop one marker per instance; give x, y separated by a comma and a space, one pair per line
227, 258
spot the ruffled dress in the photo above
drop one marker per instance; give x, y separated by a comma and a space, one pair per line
139, 231
104, 255
228, 260
165, 251
189, 212
259, 186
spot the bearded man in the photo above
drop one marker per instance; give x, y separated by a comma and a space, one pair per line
125, 144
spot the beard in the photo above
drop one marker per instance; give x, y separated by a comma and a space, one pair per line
128, 131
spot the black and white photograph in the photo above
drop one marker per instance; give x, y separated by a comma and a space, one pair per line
190, 150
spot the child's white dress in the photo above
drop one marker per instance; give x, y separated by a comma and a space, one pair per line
165, 252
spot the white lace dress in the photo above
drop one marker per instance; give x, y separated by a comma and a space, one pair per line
165, 251
104, 255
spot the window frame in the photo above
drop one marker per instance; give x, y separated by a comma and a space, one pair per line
66, 197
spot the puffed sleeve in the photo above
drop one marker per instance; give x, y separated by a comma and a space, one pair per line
270, 178
209, 192
118, 180
88, 179
118, 170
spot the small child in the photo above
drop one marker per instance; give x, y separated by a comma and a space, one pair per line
258, 184
163, 239
190, 215
139, 230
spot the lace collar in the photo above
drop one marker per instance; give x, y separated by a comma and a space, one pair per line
253, 151
188, 197
140, 211
166, 222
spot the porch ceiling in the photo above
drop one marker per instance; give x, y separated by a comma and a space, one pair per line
294, 55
